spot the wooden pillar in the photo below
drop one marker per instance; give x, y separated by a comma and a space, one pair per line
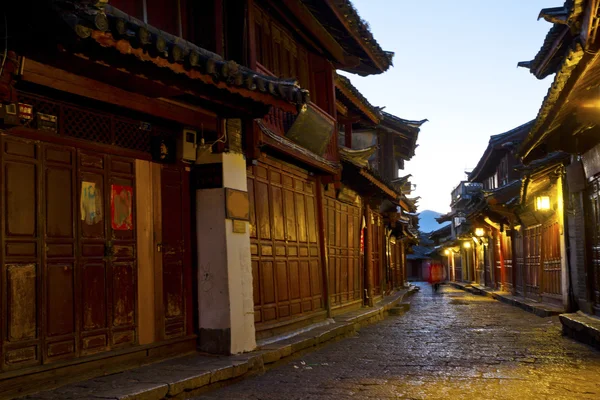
323, 246
368, 257
251, 45
348, 134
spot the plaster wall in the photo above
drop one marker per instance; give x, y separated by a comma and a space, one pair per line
224, 265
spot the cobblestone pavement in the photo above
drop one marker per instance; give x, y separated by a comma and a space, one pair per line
450, 345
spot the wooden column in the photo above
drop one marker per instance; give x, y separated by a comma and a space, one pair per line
368, 257
322, 225
348, 134
251, 45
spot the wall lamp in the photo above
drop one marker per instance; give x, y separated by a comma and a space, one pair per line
479, 232
467, 245
542, 203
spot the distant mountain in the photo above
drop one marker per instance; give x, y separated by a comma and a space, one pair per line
427, 222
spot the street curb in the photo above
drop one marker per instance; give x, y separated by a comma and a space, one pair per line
184, 377
540, 310
581, 327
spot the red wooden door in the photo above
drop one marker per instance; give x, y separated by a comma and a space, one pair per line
498, 260
68, 262
531, 255
507, 259
520, 262
176, 273
107, 251
551, 261
286, 264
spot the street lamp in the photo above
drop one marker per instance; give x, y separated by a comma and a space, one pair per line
542, 203
479, 232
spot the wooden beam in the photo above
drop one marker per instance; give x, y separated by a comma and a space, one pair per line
58, 79
314, 27
353, 34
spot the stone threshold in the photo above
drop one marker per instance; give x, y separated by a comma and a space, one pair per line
540, 309
191, 375
582, 327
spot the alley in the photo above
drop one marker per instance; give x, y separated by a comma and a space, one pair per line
450, 345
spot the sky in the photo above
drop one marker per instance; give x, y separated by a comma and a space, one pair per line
455, 65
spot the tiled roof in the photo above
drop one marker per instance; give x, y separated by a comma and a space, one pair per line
345, 89
557, 41
492, 151
110, 27
342, 20
536, 134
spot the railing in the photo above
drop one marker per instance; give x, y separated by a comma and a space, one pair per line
279, 121
465, 190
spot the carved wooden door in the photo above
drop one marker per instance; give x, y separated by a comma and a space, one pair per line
107, 249
175, 205
68, 262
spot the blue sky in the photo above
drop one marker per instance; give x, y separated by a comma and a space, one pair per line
456, 65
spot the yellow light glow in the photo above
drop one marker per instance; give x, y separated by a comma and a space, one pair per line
479, 232
447, 252
467, 245
542, 203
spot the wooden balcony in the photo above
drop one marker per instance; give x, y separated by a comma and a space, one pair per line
280, 122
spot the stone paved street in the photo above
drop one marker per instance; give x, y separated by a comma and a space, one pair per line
451, 345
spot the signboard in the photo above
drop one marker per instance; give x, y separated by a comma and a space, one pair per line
237, 205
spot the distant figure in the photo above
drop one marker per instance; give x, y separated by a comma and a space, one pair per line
436, 275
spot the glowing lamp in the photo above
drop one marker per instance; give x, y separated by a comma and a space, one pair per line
542, 203
467, 245
479, 232
447, 252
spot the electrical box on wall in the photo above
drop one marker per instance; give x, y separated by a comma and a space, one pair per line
189, 146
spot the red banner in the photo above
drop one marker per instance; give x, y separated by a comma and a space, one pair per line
121, 199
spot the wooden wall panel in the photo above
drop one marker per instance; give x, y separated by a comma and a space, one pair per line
343, 232
286, 262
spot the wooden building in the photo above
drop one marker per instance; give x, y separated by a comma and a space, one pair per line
513, 230
371, 158
568, 121
170, 175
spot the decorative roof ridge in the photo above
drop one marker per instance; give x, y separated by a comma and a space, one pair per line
362, 29
343, 82
95, 19
410, 123
565, 20
571, 60
514, 182
496, 140
358, 156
